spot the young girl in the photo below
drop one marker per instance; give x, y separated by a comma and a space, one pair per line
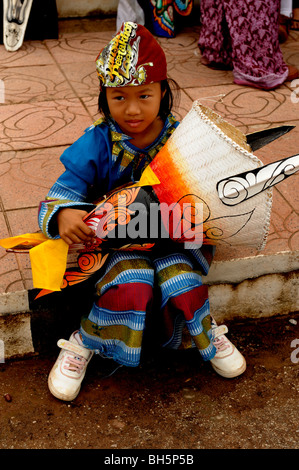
136, 100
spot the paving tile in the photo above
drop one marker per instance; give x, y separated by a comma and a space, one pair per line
276, 244
25, 269
91, 104
10, 277
23, 221
292, 222
44, 124
246, 107
290, 49
288, 189
26, 176
5, 158
77, 48
184, 43
189, 72
34, 83
83, 79
284, 224
286, 146
31, 53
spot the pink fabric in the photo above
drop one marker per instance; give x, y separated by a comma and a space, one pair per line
244, 34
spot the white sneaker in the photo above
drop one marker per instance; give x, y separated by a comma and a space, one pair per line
228, 361
69, 369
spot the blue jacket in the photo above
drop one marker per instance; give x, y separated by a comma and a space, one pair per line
99, 161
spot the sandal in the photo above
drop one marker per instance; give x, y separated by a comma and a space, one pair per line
293, 73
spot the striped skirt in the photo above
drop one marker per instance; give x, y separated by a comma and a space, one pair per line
126, 305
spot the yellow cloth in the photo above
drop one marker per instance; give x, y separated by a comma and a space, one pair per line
48, 264
25, 240
148, 178
48, 258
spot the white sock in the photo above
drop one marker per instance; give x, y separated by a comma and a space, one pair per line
78, 339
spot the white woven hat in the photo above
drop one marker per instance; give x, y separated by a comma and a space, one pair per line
202, 151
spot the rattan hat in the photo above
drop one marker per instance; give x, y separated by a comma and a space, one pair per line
203, 151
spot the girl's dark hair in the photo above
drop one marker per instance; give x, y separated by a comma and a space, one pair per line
169, 100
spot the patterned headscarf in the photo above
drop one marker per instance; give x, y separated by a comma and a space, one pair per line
132, 57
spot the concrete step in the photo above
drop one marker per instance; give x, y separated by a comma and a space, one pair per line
248, 288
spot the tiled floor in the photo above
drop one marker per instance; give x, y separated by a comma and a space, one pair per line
51, 91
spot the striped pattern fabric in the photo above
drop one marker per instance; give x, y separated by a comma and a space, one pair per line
117, 321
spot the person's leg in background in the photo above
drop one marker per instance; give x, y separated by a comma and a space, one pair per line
285, 19
253, 30
214, 38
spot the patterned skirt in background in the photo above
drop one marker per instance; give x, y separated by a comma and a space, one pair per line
244, 35
125, 307
164, 17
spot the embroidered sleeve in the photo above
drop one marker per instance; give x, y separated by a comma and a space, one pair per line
86, 165
61, 196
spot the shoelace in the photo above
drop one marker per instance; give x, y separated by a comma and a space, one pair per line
219, 340
74, 363
220, 343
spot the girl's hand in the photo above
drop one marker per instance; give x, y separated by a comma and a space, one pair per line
71, 227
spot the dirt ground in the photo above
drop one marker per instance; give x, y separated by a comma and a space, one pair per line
172, 401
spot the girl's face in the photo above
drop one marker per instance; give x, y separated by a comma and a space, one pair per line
136, 109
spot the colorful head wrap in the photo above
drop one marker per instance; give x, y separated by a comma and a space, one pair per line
132, 57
